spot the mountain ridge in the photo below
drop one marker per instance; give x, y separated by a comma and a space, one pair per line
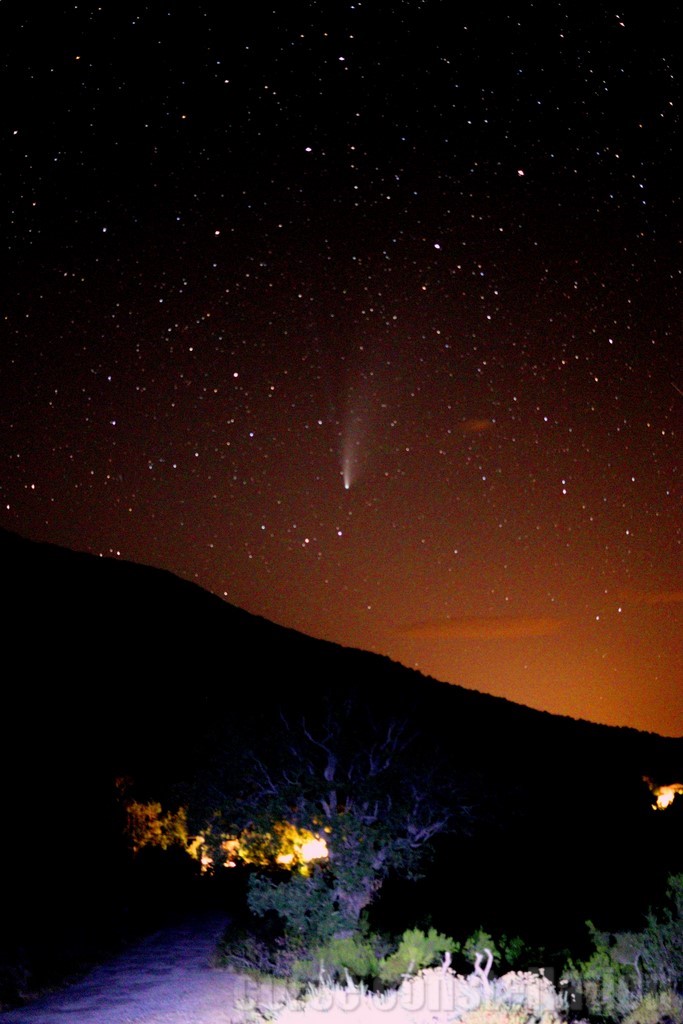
21, 555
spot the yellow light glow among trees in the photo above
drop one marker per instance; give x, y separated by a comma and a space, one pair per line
285, 845
147, 824
664, 795
314, 849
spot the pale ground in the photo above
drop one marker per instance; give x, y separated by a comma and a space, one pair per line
166, 979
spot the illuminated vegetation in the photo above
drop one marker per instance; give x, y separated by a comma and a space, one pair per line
284, 845
664, 794
148, 825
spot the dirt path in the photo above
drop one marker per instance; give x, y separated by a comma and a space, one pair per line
166, 979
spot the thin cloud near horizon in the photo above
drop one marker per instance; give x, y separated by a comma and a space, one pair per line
484, 627
476, 425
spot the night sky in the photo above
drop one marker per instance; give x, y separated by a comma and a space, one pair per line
365, 316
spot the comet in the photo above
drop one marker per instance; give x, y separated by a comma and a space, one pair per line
356, 428
350, 452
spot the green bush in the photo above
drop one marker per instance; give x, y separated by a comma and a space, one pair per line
353, 955
477, 943
514, 950
626, 966
656, 1008
304, 904
257, 951
662, 952
609, 987
416, 950
508, 952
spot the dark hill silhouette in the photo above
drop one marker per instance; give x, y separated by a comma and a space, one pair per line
105, 641
135, 665
113, 669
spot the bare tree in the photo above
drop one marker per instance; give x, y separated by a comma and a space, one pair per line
365, 784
